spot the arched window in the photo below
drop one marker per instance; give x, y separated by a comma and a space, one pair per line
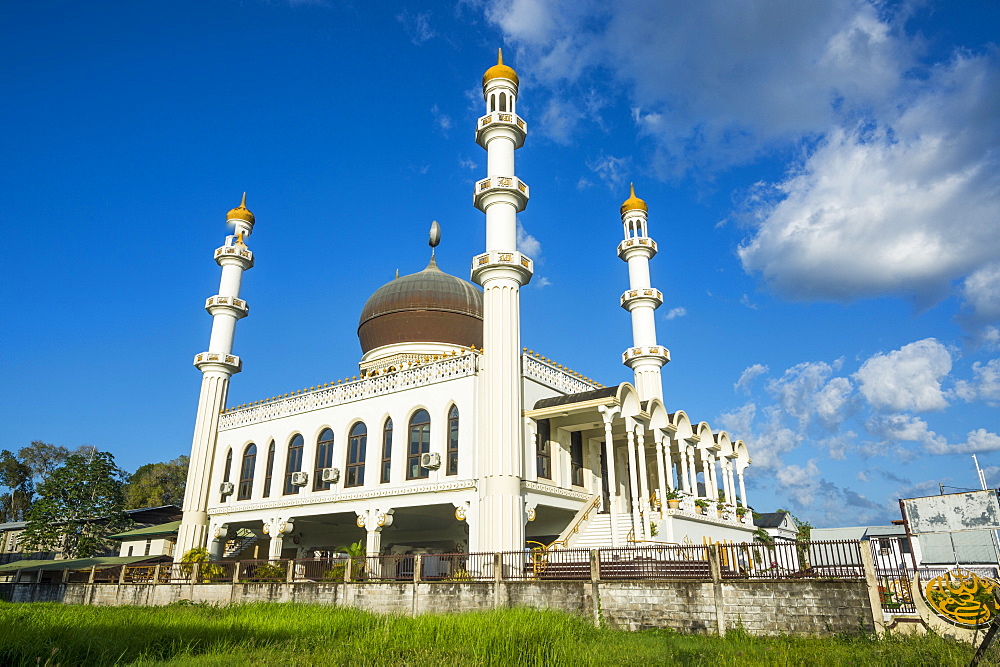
493, 103
420, 443
229, 466
386, 451
269, 469
324, 459
293, 463
503, 102
356, 446
452, 467
246, 472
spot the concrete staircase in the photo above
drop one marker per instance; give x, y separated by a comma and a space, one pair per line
244, 539
596, 533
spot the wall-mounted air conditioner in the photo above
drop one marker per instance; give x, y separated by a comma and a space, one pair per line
331, 475
300, 478
430, 460
227, 488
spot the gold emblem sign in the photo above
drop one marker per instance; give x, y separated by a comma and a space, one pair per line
962, 597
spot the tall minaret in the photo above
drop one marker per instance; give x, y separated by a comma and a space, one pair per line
217, 365
501, 270
645, 357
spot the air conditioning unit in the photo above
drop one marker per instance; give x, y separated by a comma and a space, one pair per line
227, 488
300, 478
331, 475
430, 460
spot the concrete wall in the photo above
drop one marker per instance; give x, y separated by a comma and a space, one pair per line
797, 607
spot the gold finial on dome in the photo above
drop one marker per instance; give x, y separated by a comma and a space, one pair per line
633, 203
241, 212
500, 71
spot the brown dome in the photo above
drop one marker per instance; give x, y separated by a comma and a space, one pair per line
429, 306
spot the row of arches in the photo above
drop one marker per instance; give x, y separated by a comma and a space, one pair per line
502, 98
418, 433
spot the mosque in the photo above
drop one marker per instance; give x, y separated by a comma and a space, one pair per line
455, 438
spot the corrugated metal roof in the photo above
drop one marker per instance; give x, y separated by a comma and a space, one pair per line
162, 529
78, 563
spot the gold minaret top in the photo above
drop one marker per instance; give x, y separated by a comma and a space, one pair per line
633, 203
241, 212
500, 71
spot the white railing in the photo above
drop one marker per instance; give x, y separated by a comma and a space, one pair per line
416, 375
557, 379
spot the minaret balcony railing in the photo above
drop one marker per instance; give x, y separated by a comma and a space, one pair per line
226, 362
508, 187
495, 259
647, 295
634, 354
638, 244
508, 122
230, 252
216, 304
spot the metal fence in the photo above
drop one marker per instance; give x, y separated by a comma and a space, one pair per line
834, 559
776, 561
894, 575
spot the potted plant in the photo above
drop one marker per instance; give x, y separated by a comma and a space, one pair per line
673, 499
702, 505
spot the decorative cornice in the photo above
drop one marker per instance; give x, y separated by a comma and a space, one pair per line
550, 490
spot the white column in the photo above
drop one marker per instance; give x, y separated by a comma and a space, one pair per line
661, 468
643, 482
682, 456
692, 472
609, 459
743, 491
633, 481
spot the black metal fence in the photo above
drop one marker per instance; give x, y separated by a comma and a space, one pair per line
780, 560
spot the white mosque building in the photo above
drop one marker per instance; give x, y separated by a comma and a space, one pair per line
455, 438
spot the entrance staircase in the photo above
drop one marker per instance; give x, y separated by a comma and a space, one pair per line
596, 534
244, 539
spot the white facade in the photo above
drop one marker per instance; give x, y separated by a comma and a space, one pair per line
490, 448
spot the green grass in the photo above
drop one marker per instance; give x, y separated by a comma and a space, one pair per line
288, 634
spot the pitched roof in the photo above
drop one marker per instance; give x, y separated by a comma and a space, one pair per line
150, 531
770, 519
78, 563
582, 397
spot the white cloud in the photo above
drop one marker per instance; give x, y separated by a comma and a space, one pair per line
467, 163
749, 374
799, 482
745, 301
528, 244
559, 121
976, 442
610, 169
674, 313
906, 379
443, 120
695, 91
806, 391
417, 26
905, 428
541, 281
873, 209
985, 384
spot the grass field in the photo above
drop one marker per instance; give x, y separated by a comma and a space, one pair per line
287, 634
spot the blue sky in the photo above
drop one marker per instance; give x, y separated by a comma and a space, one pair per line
822, 180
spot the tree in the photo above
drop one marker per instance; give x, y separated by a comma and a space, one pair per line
16, 476
78, 506
157, 484
42, 458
